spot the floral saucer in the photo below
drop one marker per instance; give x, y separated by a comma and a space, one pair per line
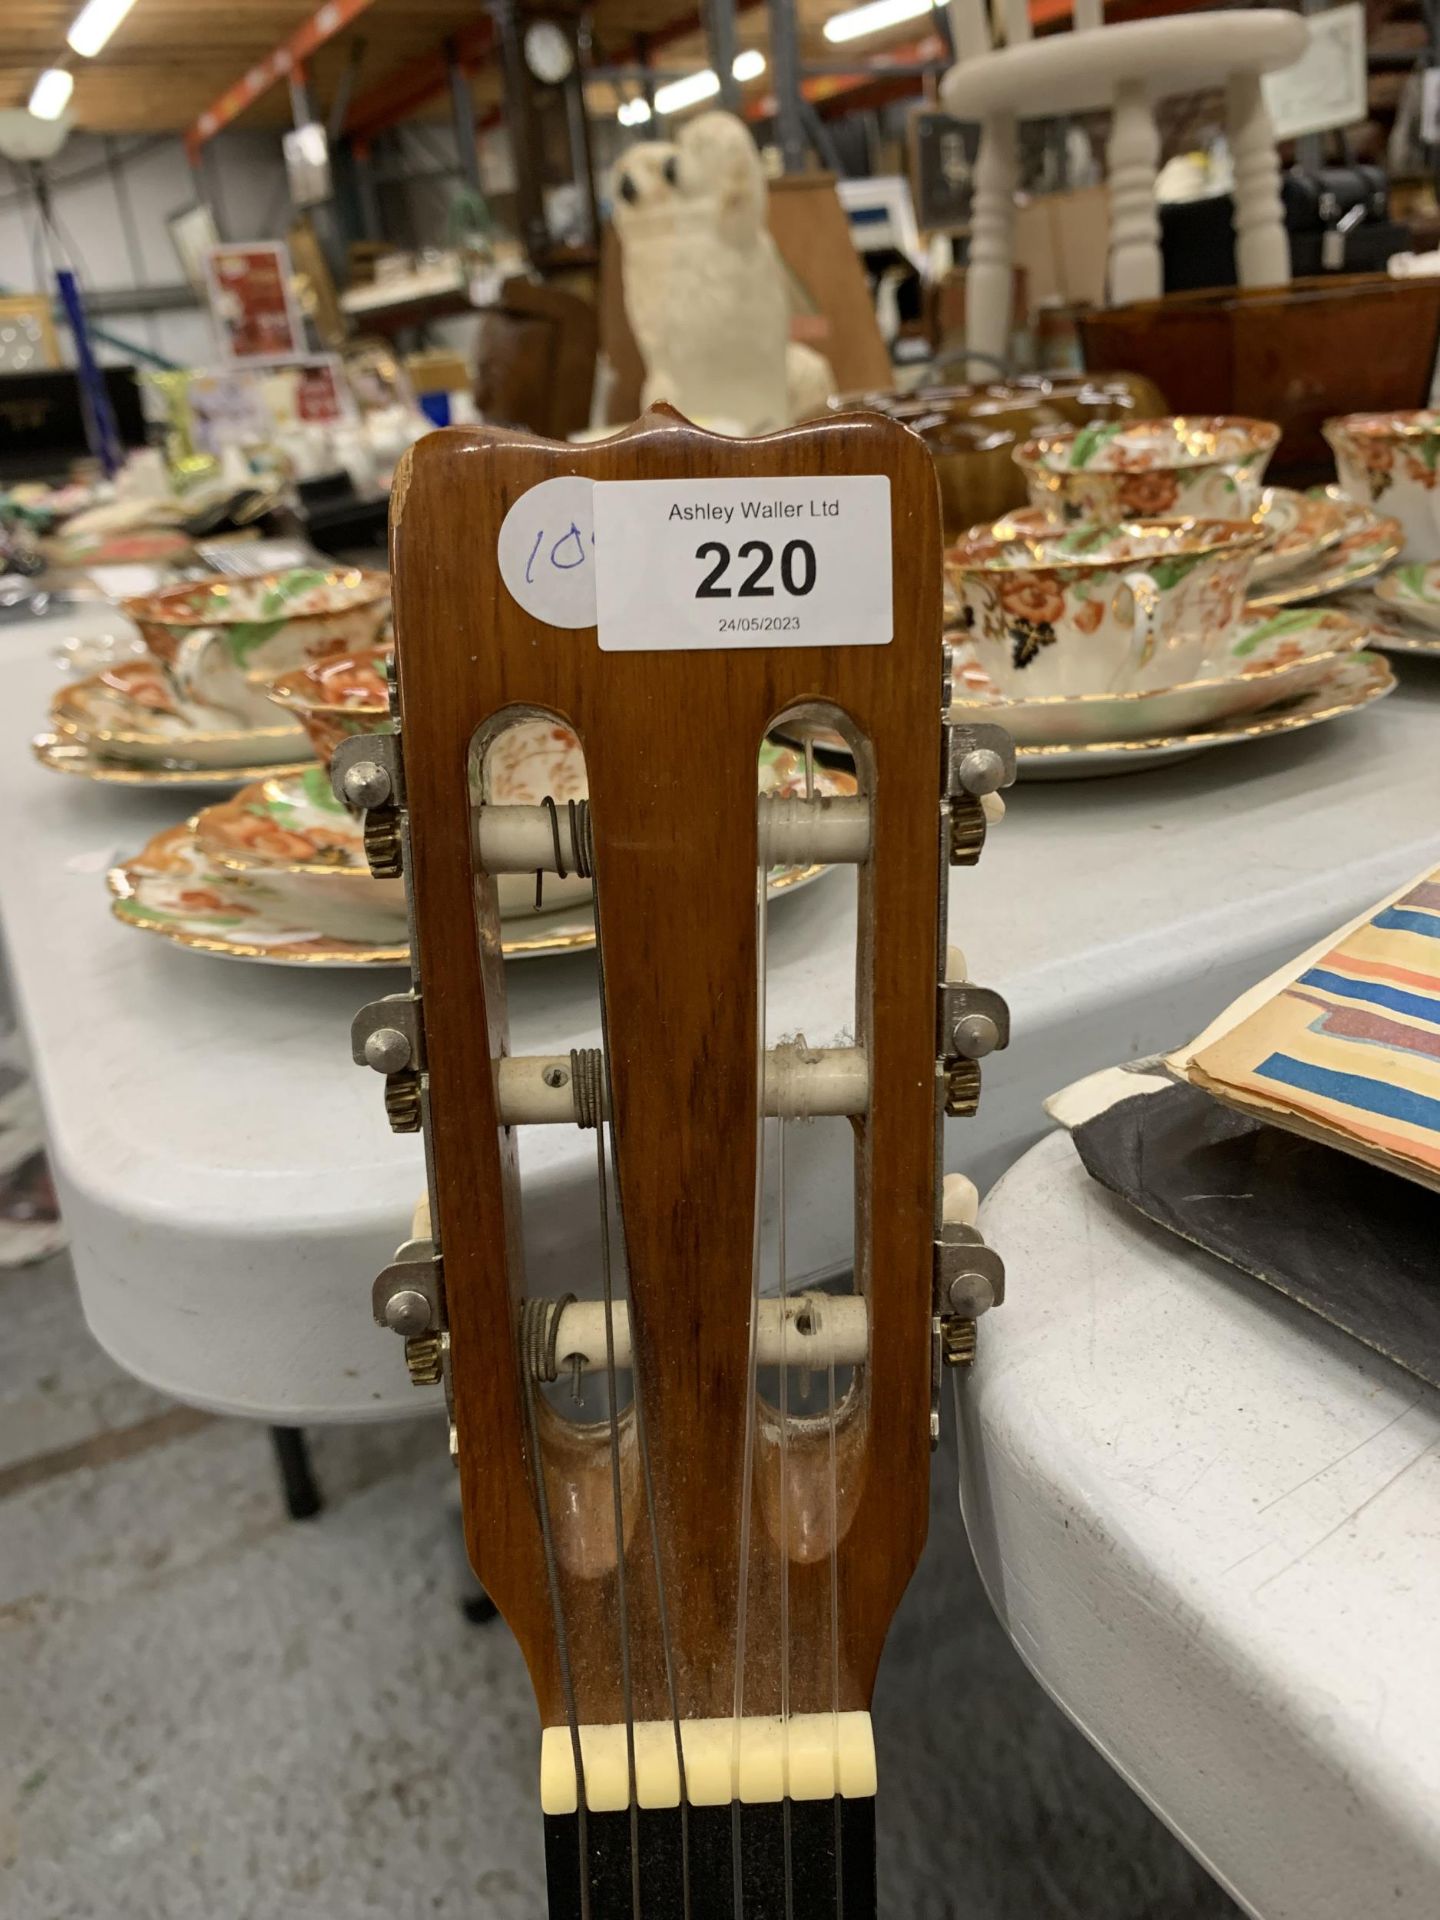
1389, 629
1368, 542
1273, 657
1350, 684
63, 755
1299, 528
290, 834
173, 890
1411, 590
128, 712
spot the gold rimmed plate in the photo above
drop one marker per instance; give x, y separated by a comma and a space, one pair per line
1299, 527
128, 711
64, 755
1353, 683
173, 890
1389, 630
1369, 542
1273, 655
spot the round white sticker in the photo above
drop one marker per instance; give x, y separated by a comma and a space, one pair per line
546, 551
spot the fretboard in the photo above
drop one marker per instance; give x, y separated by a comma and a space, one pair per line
830, 1854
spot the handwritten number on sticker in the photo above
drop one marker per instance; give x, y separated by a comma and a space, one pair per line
571, 544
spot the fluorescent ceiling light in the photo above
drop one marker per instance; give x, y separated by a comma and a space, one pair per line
696, 87
859, 21
50, 95
688, 92
95, 23
633, 113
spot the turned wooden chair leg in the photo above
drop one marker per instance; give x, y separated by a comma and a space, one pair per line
1136, 272
1262, 246
989, 274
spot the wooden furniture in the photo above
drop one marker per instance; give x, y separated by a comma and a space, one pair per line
1122, 69
813, 234
535, 358
701, 1578
543, 94
833, 308
1339, 343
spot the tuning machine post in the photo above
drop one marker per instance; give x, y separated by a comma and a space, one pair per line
968, 1278
971, 1023
368, 775
979, 761
406, 1298
388, 1036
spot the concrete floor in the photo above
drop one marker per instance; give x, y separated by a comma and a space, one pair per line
209, 1711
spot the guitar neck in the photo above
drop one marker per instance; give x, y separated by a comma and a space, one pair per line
795, 1860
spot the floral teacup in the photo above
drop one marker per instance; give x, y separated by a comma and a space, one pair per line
1128, 608
336, 698
221, 641
524, 764
1176, 468
1388, 461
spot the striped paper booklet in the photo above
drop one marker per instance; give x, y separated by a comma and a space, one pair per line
1344, 1044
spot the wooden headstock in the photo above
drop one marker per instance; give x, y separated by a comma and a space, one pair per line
697, 1554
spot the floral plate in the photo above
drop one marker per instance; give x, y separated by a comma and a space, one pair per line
1300, 527
1368, 543
1388, 629
1273, 657
171, 889
291, 835
1350, 684
128, 712
1413, 591
63, 755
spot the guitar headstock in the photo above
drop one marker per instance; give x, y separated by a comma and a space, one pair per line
700, 1578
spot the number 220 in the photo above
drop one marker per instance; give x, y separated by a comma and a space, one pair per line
797, 569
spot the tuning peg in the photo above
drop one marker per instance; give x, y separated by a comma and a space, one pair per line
971, 1023
367, 775
388, 1036
979, 760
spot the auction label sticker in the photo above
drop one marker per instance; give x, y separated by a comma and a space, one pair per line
685, 565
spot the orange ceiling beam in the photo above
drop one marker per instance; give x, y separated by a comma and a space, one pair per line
322, 25
411, 86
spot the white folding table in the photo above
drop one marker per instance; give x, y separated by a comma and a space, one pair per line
227, 1176
1211, 1526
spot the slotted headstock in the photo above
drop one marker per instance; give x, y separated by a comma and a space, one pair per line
701, 1582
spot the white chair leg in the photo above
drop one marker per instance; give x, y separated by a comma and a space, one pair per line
1134, 159
1262, 246
989, 276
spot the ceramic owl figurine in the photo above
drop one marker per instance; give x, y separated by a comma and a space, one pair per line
704, 284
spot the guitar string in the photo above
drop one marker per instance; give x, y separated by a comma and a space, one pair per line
592, 1109
561, 1631
784, 1397
662, 1610
747, 1467
835, 1632
834, 1536
622, 1599
643, 1448
562, 1637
